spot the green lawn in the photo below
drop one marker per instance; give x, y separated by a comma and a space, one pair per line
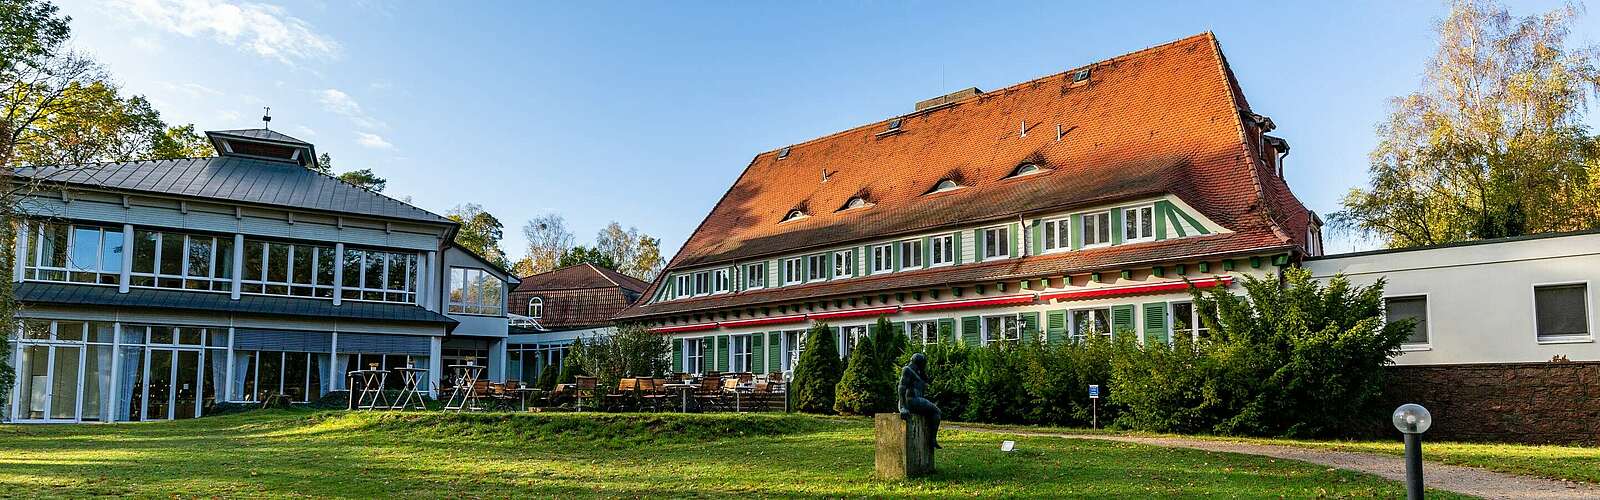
335, 454
1572, 463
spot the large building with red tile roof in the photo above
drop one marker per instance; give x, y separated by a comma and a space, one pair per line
1080, 203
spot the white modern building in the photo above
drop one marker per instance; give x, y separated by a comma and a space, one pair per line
154, 290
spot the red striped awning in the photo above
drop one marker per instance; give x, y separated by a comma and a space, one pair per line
684, 328
1118, 291
856, 313
961, 304
764, 321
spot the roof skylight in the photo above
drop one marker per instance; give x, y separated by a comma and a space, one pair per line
945, 185
1027, 168
793, 215
854, 202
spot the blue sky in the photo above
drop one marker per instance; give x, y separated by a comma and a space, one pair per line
644, 113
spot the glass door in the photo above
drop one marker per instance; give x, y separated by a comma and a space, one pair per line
64, 382
50, 385
172, 389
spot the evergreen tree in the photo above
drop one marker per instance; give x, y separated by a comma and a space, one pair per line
817, 377
891, 343
865, 389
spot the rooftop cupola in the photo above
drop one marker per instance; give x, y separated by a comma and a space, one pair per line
264, 144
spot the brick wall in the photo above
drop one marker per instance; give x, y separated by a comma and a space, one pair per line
1514, 402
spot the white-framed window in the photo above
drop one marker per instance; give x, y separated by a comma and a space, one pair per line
755, 276
1001, 328
694, 355
792, 273
719, 281
1409, 306
852, 335
911, 254
739, 354
1138, 223
535, 307
78, 253
924, 332
794, 342
1091, 321
685, 285
817, 268
1561, 312
945, 185
1056, 235
476, 292
882, 259
702, 283
793, 215
1096, 229
844, 263
997, 242
944, 250
374, 275
1186, 321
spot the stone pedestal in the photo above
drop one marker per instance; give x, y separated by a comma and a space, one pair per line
904, 447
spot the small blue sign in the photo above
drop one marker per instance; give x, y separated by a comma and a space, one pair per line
1094, 392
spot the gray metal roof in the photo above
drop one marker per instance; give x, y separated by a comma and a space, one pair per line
258, 133
92, 295
239, 179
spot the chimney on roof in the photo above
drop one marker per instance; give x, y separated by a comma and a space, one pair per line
959, 95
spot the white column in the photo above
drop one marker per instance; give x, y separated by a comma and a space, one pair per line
497, 360
226, 391
116, 365
238, 267
435, 363
335, 374
19, 263
127, 259
419, 277
435, 288
338, 273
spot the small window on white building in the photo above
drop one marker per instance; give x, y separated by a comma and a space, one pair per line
924, 332
719, 281
911, 254
793, 215
1056, 235
1096, 229
1138, 223
702, 283
1413, 307
694, 355
844, 263
997, 242
1186, 321
1001, 328
536, 308
755, 276
852, 335
792, 272
1086, 322
882, 259
944, 250
1561, 311
739, 354
817, 268
685, 286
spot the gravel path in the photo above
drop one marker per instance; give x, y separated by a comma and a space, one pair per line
1465, 480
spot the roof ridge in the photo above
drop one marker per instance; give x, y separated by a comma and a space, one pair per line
1244, 140
952, 105
602, 274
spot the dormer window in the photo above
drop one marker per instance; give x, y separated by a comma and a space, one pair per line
793, 215
783, 153
853, 203
1026, 169
261, 144
945, 185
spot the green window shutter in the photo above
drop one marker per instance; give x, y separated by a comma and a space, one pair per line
977, 245
1155, 322
1055, 326
1037, 237
708, 358
970, 333
757, 340
1160, 212
946, 325
872, 328
774, 352
1116, 226
1030, 329
1122, 319
894, 255
927, 251
805, 268
677, 355
1015, 234
1076, 231
722, 353
957, 249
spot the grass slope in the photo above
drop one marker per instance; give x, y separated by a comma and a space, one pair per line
354, 455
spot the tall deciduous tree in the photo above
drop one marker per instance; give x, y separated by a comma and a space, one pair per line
635, 254
585, 255
480, 232
1493, 144
548, 239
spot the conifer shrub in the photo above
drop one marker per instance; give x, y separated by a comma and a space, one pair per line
817, 376
864, 389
